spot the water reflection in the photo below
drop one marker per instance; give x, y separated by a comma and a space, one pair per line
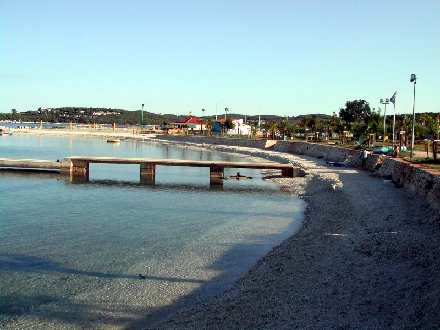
235, 186
115, 184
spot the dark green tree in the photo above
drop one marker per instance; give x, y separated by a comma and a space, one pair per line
229, 124
355, 111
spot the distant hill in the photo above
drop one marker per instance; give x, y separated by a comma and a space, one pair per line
85, 115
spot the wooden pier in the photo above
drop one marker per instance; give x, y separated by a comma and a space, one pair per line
78, 166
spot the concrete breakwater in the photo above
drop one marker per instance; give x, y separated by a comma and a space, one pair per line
403, 174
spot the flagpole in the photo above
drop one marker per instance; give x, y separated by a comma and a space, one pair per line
394, 123
413, 79
384, 119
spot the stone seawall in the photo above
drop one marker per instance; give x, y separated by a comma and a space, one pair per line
424, 181
403, 174
249, 143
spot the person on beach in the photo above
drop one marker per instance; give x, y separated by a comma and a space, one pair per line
396, 152
364, 155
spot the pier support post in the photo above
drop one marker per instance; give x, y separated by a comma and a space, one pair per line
216, 175
78, 171
287, 172
65, 165
79, 167
148, 173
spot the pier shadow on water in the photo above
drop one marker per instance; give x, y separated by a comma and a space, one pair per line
60, 307
65, 309
230, 267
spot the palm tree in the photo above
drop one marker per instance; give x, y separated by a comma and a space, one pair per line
271, 127
283, 126
209, 126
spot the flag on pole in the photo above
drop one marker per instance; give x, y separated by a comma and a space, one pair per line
393, 98
393, 101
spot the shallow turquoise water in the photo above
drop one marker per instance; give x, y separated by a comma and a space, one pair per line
71, 253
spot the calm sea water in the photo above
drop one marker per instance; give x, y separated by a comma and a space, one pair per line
71, 253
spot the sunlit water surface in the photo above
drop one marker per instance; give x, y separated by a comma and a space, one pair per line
71, 253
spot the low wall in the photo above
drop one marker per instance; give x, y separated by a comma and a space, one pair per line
249, 143
424, 181
403, 174
328, 152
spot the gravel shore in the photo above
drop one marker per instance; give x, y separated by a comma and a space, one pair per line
367, 257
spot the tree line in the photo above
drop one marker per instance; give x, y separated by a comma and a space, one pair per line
359, 120
84, 115
355, 117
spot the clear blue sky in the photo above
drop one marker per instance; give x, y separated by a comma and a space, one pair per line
269, 57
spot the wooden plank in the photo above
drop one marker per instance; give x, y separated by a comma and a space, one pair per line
29, 163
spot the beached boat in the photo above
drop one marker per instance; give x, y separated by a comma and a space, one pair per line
337, 164
382, 150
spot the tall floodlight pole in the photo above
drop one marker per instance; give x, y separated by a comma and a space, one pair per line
226, 117
384, 119
203, 120
413, 79
259, 120
142, 116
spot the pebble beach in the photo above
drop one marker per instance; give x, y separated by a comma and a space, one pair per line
367, 257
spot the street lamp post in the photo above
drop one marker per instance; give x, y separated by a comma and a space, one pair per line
142, 116
203, 119
413, 79
384, 119
226, 115
393, 101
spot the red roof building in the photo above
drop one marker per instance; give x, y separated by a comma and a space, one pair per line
190, 123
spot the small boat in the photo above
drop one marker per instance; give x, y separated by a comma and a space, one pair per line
113, 140
240, 177
337, 164
382, 150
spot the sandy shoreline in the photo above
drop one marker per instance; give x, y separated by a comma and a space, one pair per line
367, 257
